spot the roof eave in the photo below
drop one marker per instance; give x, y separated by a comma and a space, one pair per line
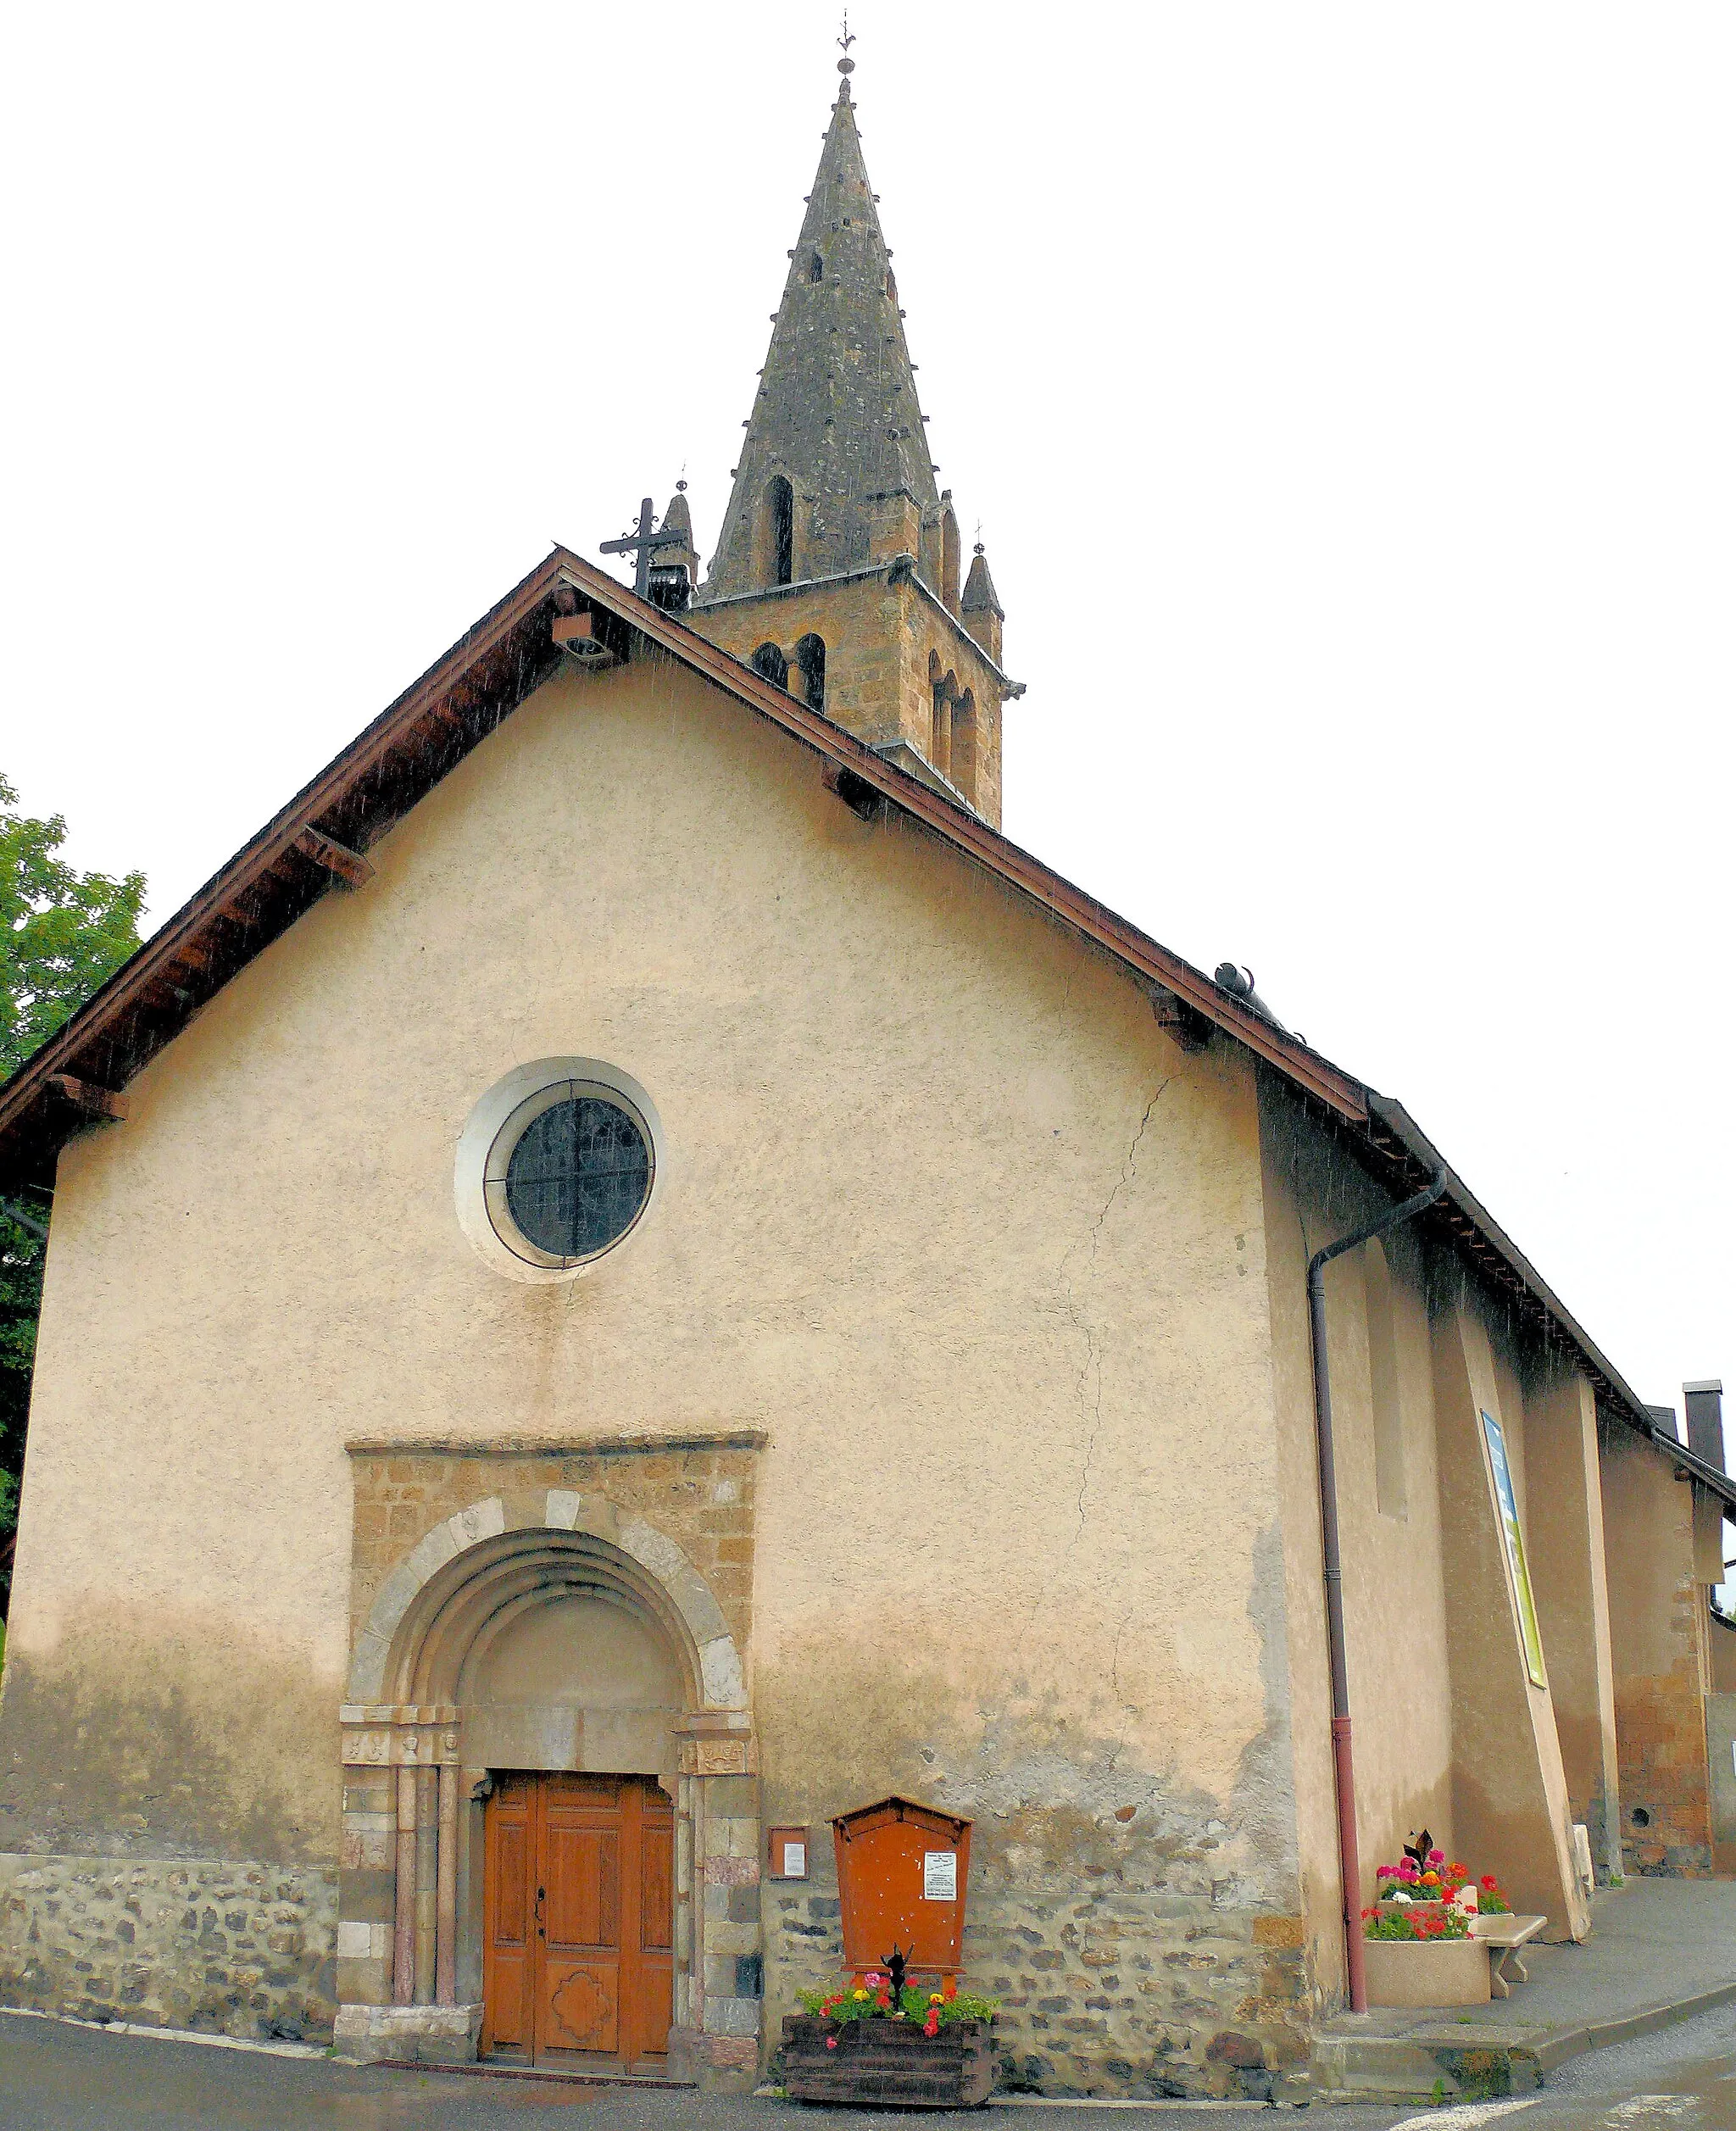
1615, 1391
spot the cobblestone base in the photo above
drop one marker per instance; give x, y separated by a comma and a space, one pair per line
242, 1950
1119, 1995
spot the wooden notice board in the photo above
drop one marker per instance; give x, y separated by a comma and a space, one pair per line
903, 1871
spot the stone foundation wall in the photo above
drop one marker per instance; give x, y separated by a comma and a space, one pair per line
243, 1949
1119, 1995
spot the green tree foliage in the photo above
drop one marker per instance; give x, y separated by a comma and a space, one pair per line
62, 933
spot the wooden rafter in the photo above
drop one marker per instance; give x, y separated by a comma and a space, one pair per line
87, 1098
349, 867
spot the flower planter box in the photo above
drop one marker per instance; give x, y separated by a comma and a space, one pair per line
892, 2062
1414, 1971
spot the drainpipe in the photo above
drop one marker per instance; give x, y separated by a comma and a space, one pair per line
24, 1219
1343, 1772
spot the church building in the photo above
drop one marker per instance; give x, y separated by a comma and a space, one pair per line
631, 1277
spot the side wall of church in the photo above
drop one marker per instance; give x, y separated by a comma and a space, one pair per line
1390, 1538
1659, 1631
942, 1210
1450, 1733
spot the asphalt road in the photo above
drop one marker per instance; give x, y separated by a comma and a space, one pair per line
54, 2077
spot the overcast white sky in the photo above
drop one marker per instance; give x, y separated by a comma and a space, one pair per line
1344, 393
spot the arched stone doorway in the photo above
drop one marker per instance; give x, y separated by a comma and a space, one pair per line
523, 1643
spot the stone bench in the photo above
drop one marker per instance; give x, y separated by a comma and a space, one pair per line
1504, 1936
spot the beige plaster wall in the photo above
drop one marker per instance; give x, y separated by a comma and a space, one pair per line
1658, 1635
1565, 1534
942, 1209
1512, 1812
1394, 1605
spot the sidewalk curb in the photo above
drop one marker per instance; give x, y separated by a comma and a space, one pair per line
1566, 2042
1406, 2068
304, 2050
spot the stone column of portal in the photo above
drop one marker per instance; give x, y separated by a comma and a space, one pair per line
446, 1902
404, 1935
427, 1868
720, 1775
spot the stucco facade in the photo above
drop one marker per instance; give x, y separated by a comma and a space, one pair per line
956, 1378
942, 1422
943, 1213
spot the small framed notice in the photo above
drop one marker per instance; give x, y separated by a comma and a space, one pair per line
940, 1875
789, 1848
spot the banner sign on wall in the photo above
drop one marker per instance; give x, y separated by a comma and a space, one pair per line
1518, 1574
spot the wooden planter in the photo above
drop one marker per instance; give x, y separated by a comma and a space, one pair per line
889, 2061
1417, 1971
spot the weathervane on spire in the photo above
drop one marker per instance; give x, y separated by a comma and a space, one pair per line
846, 65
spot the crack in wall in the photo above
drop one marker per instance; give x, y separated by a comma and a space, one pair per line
1091, 1369
1093, 1364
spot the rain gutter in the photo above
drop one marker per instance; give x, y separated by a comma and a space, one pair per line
1343, 1767
1603, 1373
1614, 1392
26, 1221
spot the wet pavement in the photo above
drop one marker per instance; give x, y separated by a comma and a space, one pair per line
57, 2077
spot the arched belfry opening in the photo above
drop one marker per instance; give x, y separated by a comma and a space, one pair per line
531, 1712
949, 558
769, 660
810, 661
963, 744
944, 694
775, 533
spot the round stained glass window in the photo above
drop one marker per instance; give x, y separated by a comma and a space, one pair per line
568, 1174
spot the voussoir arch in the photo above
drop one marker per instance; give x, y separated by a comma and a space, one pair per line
489, 1555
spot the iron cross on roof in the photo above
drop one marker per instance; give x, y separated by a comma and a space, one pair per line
641, 545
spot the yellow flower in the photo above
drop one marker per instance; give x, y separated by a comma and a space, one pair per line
858, 1993
936, 1999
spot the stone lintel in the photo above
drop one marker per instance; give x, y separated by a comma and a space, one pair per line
398, 1713
407, 1736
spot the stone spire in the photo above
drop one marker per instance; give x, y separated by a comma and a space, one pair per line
836, 416
838, 573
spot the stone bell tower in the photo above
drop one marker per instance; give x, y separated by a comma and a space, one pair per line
837, 573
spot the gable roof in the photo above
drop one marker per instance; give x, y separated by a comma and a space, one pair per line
464, 696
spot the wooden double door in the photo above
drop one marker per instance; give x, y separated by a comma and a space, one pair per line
579, 1917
